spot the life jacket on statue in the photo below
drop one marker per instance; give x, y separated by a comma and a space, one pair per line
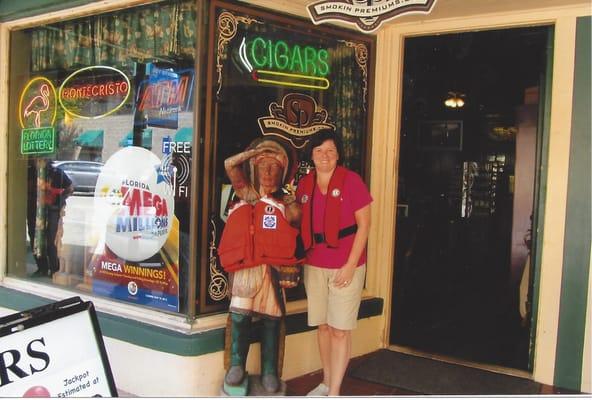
332, 233
257, 234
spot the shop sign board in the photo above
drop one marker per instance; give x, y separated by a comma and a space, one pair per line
138, 259
278, 62
296, 119
94, 92
54, 351
367, 15
38, 140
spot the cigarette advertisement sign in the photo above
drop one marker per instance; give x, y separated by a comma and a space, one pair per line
54, 352
137, 259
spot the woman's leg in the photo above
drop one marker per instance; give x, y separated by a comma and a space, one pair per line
316, 282
343, 308
324, 338
339, 354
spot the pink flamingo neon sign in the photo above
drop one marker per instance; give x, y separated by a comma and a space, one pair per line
38, 104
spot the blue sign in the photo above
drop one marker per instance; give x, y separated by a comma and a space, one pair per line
163, 98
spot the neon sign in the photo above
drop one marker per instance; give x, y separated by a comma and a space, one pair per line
38, 140
278, 63
165, 92
37, 104
100, 90
279, 55
98, 85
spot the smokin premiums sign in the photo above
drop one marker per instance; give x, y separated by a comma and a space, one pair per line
367, 15
296, 119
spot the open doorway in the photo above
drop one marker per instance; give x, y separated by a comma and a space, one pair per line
467, 172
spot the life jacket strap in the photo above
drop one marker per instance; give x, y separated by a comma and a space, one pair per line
350, 230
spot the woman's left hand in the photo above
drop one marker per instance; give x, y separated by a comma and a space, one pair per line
344, 276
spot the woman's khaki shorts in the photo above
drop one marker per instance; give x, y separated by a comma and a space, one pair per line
327, 304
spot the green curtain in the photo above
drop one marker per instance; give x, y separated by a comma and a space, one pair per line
346, 102
149, 33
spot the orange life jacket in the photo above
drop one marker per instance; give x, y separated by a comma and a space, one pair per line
257, 234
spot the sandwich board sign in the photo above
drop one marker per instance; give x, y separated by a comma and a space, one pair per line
54, 350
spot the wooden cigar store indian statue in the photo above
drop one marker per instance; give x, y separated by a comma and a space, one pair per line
261, 249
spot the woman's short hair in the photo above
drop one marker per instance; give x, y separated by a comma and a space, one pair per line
321, 137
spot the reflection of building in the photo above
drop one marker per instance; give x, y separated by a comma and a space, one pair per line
364, 101
102, 137
89, 145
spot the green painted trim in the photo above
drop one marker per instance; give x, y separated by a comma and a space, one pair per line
165, 340
538, 228
20, 301
12, 9
161, 339
576, 247
140, 334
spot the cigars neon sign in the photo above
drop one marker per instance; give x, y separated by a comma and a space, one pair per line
278, 63
94, 92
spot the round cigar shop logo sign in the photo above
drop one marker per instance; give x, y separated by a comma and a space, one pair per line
135, 202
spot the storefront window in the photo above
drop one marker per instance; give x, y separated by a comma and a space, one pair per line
273, 76
100, 153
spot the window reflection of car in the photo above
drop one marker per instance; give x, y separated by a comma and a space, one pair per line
83, 174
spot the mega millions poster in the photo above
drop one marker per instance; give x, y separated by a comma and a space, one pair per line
137, 258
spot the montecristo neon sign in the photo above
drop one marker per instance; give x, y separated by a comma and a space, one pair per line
276, 62
94, 92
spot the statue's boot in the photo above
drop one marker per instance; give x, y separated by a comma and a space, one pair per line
241, 327
269, 355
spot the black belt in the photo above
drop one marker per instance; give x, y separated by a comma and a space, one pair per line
350, 230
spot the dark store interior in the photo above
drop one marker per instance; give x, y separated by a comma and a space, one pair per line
465, 194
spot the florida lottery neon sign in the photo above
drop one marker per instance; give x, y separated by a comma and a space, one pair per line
277, 62
37, 113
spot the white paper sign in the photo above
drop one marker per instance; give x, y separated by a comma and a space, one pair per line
59, 358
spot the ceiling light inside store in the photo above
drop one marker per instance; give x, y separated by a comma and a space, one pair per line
455, 100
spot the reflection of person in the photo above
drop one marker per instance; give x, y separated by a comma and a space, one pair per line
258, 242
335, 240
48, 188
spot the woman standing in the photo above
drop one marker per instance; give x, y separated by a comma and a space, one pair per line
335, 224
